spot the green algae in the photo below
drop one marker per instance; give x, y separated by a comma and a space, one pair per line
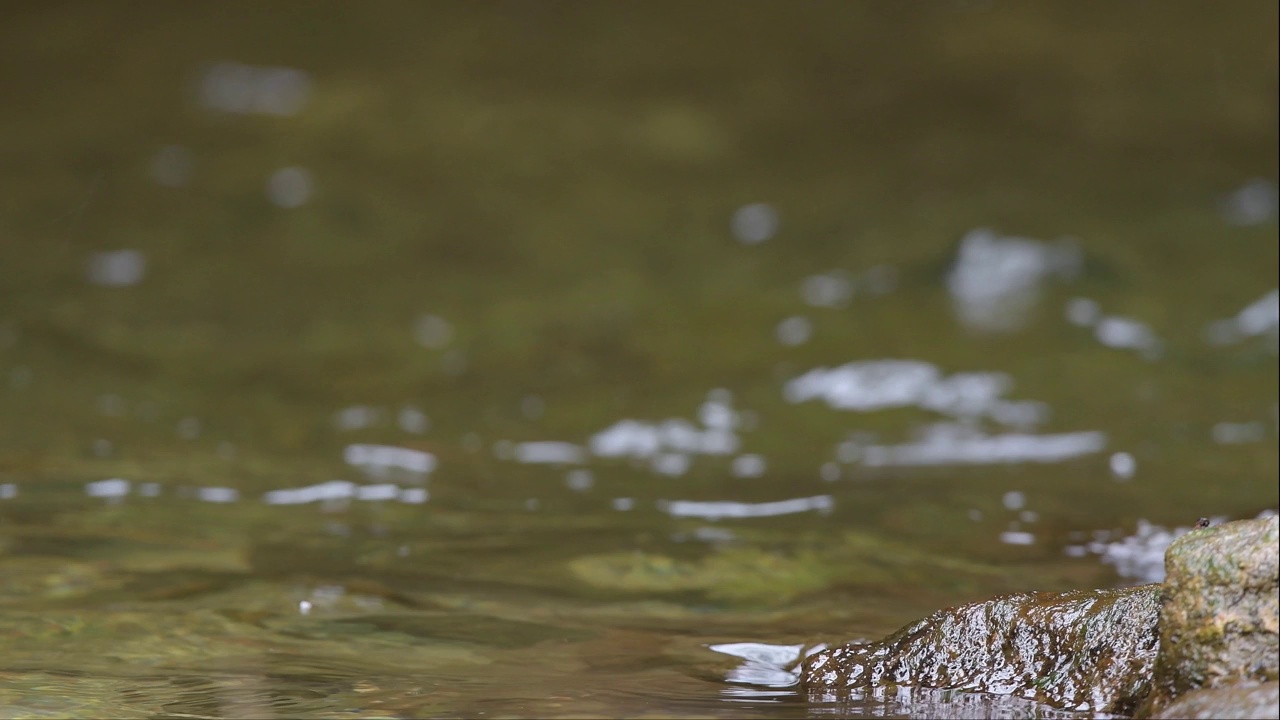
1219, 622
748, 575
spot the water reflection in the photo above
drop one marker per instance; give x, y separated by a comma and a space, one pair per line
764, 666
718, 510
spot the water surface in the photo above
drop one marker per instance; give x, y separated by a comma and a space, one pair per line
593, 360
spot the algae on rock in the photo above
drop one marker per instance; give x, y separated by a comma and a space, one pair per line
1221, 615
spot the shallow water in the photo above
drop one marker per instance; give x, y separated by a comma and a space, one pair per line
592, 360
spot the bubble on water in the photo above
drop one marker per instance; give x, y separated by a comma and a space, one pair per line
1228, 433
996, 280
379, 491
848, 451
117, 268
1253, 203
754, 223
412, 420
244, 89
548, 452
414, 496
623, 504
830, 472
719, 509
356, 417
717, 412
1260, 317
1023, 415
228, 87
1123, 466
218, 494
749, 465
110, 488
1017, 537
189, 428
1082, 311
1126, 333
289, 187
432, 331
833, 289
644, 440
955, 443
1014, 500
579, 480
793, 331
670, 464
381, 459
281, 90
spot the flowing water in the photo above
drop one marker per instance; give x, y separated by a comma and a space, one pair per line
594, 360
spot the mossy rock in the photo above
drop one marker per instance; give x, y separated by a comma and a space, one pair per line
1221, 616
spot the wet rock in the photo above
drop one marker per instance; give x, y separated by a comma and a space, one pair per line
1214, 622
1239, 700
1221, 616
1081, 650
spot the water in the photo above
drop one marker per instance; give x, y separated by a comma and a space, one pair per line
559, 360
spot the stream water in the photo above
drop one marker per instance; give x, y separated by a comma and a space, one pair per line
594, 360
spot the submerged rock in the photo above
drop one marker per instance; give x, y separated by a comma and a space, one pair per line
1207, 634
1081, 650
